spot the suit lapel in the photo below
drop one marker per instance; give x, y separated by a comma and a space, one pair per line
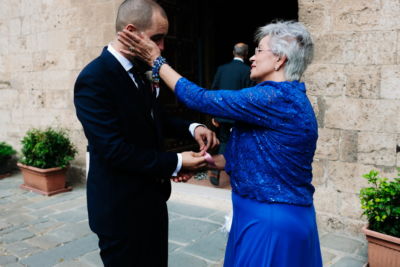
126, 84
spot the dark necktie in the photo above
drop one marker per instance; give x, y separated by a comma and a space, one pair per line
144, 87
150, 97
139, 78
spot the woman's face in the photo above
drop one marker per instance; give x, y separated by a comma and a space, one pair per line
263, 62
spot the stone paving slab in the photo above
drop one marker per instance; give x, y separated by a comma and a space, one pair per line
184, 209
92, 259
21, 250
4, 260
340, 243
349, 262
69, 251
15, 236
211, 247
183, 259
194, 229
45, 231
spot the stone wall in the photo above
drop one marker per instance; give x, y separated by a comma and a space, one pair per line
43, 46
354, 85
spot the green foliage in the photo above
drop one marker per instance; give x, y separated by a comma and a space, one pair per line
47, 148
381, 203
6, 151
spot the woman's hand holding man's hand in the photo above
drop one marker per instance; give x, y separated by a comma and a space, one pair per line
192, 161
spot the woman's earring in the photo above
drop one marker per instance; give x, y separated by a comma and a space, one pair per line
276, 68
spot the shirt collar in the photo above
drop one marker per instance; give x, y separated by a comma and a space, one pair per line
126, 64
238, 58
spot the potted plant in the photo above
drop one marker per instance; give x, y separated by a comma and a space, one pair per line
6, 152
381, 205
45, 157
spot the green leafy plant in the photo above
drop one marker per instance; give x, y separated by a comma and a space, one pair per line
381, 203
47, 148
6, 151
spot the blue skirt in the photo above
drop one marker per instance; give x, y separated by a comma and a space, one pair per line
272, 235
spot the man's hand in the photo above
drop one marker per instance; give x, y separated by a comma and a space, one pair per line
205, 138
183, 177
192, 161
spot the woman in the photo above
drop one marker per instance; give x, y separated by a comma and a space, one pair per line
271, 148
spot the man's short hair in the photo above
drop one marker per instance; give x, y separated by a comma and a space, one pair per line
241, 49
138, 13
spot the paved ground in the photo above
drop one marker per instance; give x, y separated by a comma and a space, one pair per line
53, 231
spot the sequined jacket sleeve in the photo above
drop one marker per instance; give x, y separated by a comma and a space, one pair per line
263, 105
271, 147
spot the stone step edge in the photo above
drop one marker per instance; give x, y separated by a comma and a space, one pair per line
208, 197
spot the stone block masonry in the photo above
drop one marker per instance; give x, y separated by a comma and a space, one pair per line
353, 85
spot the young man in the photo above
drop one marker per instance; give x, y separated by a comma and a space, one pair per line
128, 180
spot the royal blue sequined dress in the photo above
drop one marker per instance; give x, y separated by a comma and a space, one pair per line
268, 159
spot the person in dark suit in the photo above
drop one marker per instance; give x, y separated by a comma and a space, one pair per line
128, 180
234, 75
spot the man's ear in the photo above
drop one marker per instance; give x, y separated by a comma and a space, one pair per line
131, 28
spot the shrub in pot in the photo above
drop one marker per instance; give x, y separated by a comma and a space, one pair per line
46, 154
381, 205
6, 152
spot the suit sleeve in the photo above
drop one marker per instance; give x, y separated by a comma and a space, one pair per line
174, 127
247, 81
100, 122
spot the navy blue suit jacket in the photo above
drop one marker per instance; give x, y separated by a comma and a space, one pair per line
128, 168
232, 76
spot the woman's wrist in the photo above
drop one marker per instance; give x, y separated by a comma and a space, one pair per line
157, 63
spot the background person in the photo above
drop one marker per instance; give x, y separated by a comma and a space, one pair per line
233, 75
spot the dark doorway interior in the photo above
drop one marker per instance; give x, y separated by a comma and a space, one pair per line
202, 35
233, 23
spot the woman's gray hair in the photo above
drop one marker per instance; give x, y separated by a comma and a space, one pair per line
290, 39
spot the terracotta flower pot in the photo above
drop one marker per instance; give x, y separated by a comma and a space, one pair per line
44, 181
383, 250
